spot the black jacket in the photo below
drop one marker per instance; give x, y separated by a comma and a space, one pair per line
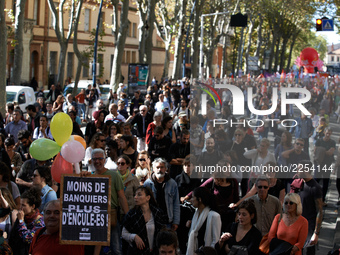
138, 119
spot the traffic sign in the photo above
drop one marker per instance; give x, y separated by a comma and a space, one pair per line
327, 25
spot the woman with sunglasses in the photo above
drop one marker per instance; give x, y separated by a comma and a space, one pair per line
42, 179
143, 167
290, 226
98, 141
127, 148
241, 233
130, 181
142, 223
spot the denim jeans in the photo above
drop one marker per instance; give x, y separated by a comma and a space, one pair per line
115, 242
82, 111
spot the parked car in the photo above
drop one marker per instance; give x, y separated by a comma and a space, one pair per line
82, 84
21, 94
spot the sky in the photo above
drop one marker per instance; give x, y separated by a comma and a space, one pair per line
331, 37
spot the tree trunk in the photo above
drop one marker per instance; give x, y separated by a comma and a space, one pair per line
142, 30
251, 29
224, 56
78, 54
194, 40
259, 37
239, 52
61, 65
291, 49
149, 35
283, 53
176, 72
272, 47
18, 36
277, 53
167, 59
3, 58
120, 44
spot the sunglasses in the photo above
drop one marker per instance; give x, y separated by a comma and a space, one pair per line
121, 163
142, 159
237, 135
290, 202
262, 187
102, 140
35, 175
142, 110
300, 144
95, 159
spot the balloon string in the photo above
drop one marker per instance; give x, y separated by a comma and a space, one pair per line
76, 168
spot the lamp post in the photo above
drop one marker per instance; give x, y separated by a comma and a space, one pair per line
201, 46
94, 66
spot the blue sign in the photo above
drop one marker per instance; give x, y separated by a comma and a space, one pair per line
327, 25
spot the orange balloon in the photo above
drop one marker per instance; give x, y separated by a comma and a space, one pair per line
78, 138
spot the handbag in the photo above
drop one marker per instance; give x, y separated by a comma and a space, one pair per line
260, 129
279, 247
238, 250
264, 244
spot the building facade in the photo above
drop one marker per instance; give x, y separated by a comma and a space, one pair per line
41, 50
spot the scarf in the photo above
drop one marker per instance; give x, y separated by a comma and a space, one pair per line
141, 173
124, 176
30, 218
196, 224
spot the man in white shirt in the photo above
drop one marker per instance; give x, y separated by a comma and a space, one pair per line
161, 105
114, 115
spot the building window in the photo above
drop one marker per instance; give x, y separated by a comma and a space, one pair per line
53, 62
332, 58
101, 23
70, 57
338, 59
133, 30
87, 20
134, 57
36, 12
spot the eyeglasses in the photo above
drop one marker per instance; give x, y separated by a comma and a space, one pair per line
95, 159
290, 202
121, 163
237, 134
262, 187
142, 159
299, 144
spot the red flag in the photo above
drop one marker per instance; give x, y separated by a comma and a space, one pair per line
248, 77
283, 76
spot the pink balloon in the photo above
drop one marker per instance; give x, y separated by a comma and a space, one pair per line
60, 166
73, 151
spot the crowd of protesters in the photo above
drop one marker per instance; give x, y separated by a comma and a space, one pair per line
152, 145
